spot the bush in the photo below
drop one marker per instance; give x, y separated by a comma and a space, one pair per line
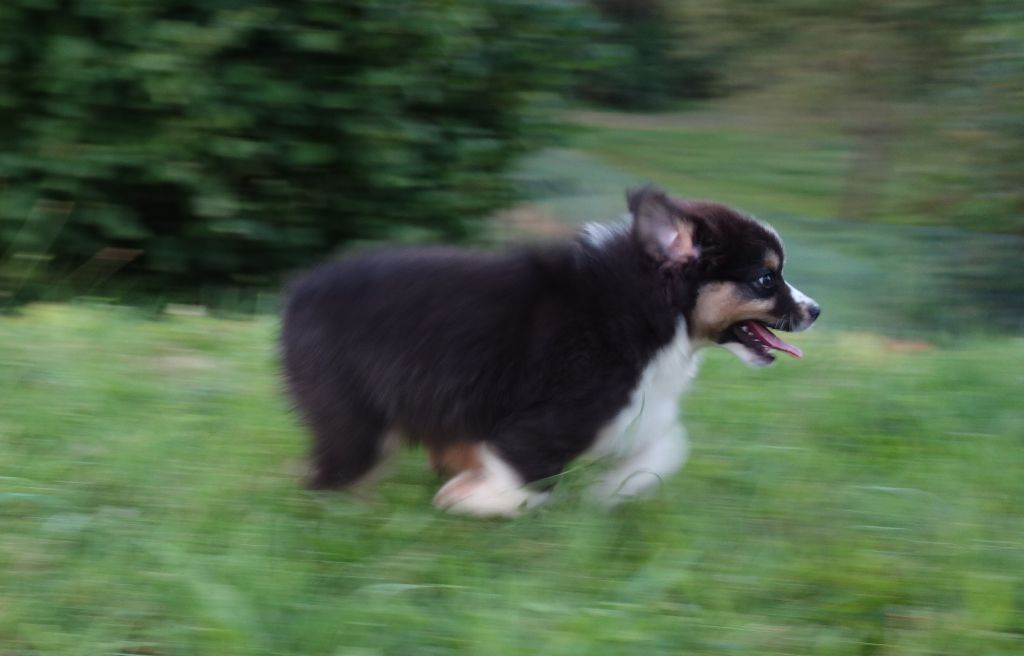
225, 142
648, 61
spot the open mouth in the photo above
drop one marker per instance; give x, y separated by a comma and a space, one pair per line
756, 337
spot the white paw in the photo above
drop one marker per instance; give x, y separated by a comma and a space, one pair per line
474, 494
493, 490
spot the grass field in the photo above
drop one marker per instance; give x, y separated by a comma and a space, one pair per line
864, 500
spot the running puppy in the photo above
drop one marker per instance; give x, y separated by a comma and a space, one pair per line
507, 366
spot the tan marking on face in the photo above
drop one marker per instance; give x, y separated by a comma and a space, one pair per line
454, 458
720, 304
772, 261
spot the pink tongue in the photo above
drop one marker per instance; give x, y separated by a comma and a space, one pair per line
769, 339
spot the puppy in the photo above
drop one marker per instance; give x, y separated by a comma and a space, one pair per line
507, 366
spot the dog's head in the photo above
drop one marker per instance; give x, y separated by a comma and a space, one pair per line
731, 266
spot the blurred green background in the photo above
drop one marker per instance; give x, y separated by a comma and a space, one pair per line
164, 166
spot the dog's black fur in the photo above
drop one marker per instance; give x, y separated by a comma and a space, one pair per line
531, 351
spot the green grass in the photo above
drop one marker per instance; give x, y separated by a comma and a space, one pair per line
766, 164
762, 171
865, 500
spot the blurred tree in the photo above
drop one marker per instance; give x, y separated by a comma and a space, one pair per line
872, 65
983, 129
228, 142
647, 58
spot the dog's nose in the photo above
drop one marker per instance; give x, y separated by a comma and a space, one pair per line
814, 311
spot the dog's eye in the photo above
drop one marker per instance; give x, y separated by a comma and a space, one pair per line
766, 282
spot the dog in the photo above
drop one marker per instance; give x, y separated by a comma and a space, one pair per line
509, 365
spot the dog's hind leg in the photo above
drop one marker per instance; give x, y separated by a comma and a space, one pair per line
350, 441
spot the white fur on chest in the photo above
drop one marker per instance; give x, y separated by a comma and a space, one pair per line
653, 409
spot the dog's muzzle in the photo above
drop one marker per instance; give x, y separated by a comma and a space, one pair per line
807, 312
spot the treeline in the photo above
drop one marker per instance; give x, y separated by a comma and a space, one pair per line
205, 142
191, 142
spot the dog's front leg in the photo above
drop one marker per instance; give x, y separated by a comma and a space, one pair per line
654, 459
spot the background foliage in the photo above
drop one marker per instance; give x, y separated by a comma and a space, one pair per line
937, 78
230, 141
179, 147
648, 59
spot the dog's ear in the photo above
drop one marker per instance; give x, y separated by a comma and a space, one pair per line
664, 232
